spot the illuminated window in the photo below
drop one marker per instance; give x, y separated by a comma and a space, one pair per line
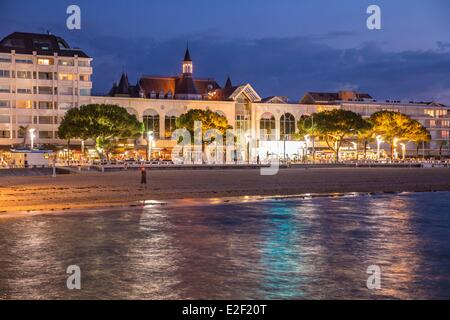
151, 122
65, 76
445, 134
287, 126
84, 77
170, 126
24, 104
68, 63
267, 127
45, 62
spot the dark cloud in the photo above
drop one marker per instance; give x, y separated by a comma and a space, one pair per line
278, 66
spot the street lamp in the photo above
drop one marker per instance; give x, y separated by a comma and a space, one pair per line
379, 142
403, 151
149, 144
247, 139
395, 148
32, 136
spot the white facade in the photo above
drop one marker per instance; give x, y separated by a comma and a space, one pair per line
36, 91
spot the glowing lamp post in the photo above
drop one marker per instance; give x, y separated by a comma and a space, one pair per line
379, 142
403, 151
32, 136
247, 139
395, 148
149, 144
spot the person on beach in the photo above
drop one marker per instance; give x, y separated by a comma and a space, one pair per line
144, 176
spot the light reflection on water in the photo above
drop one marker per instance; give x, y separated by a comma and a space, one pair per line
313, 248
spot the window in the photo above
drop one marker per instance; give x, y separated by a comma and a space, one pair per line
66, 91
27, 61
267, 127
45, 105
287, 126
4, 104
41, 45
24, 104
45, 76
445, 124
45, 134
170, 126
64, 105
24, 120
24, 90
445, 134
4, 88
24, 75
4, 74
68, 63
151, 122
65, 76
83, 63
5, 134
45, 90
5, 59
45, 120
85, 92
84, 77
45, 61
5, 119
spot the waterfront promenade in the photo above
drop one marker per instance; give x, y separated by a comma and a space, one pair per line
102, 190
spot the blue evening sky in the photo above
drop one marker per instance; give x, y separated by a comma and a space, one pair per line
283, 47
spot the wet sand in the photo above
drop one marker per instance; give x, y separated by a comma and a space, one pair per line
102, 190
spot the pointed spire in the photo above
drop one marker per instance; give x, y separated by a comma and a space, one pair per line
123, 87
187, 55
228, 83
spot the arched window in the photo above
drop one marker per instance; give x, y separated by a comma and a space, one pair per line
170, 126
151, 122
267, 126
287, 126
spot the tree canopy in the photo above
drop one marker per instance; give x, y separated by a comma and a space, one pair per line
99, 122
336, 125
394, 125
208, 118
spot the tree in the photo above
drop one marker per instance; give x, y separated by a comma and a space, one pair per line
366, 136
209, 119
394, 126
102, 123
338, 124
23, 131
442, 144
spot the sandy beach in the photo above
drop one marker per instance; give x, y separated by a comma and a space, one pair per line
102, 190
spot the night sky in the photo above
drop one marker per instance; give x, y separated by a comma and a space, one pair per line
283, 47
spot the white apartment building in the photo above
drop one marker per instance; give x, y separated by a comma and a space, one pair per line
40, 78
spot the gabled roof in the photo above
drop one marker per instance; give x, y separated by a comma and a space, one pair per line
275, 99
233, 93
43, 44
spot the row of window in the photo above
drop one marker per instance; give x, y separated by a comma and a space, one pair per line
6, 134
45, 61
28, 104
42, 75
439, 123
6, 119
4, 88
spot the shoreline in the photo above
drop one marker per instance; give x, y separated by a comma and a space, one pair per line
121, 189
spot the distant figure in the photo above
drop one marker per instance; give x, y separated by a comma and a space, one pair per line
257, 159
144, 176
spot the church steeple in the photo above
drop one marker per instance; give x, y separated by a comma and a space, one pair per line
187, 63
228, 83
